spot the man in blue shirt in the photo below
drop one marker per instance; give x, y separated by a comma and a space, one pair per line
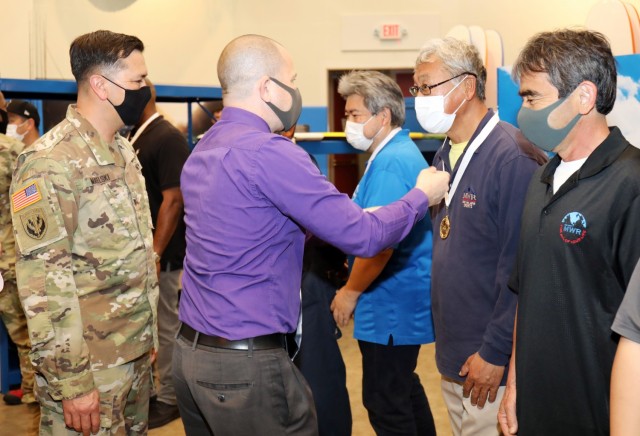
249, 196
391, 289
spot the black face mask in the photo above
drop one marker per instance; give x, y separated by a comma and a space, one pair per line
288, 117
133, 104
4, 121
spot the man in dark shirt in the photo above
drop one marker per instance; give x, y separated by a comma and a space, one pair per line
579, 242
162, 151
475, 232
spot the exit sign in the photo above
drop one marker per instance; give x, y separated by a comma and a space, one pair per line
390, 32
385, 32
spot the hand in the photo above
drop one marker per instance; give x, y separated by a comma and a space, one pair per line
483, 380
507, 411
343, 306
153, 355
434, 184
83, 413
158, 259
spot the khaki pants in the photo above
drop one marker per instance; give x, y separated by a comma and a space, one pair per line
468, 420
124, 401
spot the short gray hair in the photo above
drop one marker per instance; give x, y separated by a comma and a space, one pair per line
457, 57
378, 91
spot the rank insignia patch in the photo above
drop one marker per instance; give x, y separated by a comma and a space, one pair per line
25, 197
34, 223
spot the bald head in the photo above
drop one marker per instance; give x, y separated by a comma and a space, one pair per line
247, 58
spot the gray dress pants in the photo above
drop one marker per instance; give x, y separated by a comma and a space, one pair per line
225, 392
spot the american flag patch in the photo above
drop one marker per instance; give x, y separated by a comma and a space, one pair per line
25, 197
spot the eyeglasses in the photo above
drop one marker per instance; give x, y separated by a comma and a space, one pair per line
426, 89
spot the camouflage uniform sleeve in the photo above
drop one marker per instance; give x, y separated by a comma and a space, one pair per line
6, 163
9, 150
44, 212
5, 181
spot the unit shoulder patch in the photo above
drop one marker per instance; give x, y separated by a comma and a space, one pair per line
34, 223
37, 216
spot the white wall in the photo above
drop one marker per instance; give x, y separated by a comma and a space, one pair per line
184, 38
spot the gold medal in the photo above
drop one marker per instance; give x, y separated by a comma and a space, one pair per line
445, 226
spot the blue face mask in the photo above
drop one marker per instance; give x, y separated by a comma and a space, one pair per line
535, 126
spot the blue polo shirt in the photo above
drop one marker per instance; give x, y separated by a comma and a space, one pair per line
398, 302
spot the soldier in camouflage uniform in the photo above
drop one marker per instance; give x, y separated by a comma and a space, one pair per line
10, 309
86, 267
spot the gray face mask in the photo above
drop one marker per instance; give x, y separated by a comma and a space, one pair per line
535, 126
288, 117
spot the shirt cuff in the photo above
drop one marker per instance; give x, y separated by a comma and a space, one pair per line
72, 387
419, 200
493, 355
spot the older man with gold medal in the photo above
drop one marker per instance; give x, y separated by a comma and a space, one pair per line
491, 164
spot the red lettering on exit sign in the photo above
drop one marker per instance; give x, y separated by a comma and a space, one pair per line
390, 31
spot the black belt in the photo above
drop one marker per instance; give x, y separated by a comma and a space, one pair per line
266, 342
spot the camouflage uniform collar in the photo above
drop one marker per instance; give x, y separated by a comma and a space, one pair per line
102, 152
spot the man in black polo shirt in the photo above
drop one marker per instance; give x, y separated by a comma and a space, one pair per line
162, 151
579, 242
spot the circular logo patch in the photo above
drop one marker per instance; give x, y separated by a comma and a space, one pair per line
573, 228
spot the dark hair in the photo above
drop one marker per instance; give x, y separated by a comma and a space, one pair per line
101, 49
570, 57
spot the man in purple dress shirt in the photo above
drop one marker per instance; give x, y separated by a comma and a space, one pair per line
249, 196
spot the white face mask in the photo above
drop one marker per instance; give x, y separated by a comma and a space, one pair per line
12, 131
430, 112
355, 135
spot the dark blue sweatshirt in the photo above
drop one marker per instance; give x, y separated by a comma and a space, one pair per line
473, 308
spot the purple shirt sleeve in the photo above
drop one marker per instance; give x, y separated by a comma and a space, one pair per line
296, 187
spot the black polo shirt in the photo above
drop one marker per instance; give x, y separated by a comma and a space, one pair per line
162, 151
578, 249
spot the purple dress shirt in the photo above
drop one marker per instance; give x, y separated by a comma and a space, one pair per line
249, 195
